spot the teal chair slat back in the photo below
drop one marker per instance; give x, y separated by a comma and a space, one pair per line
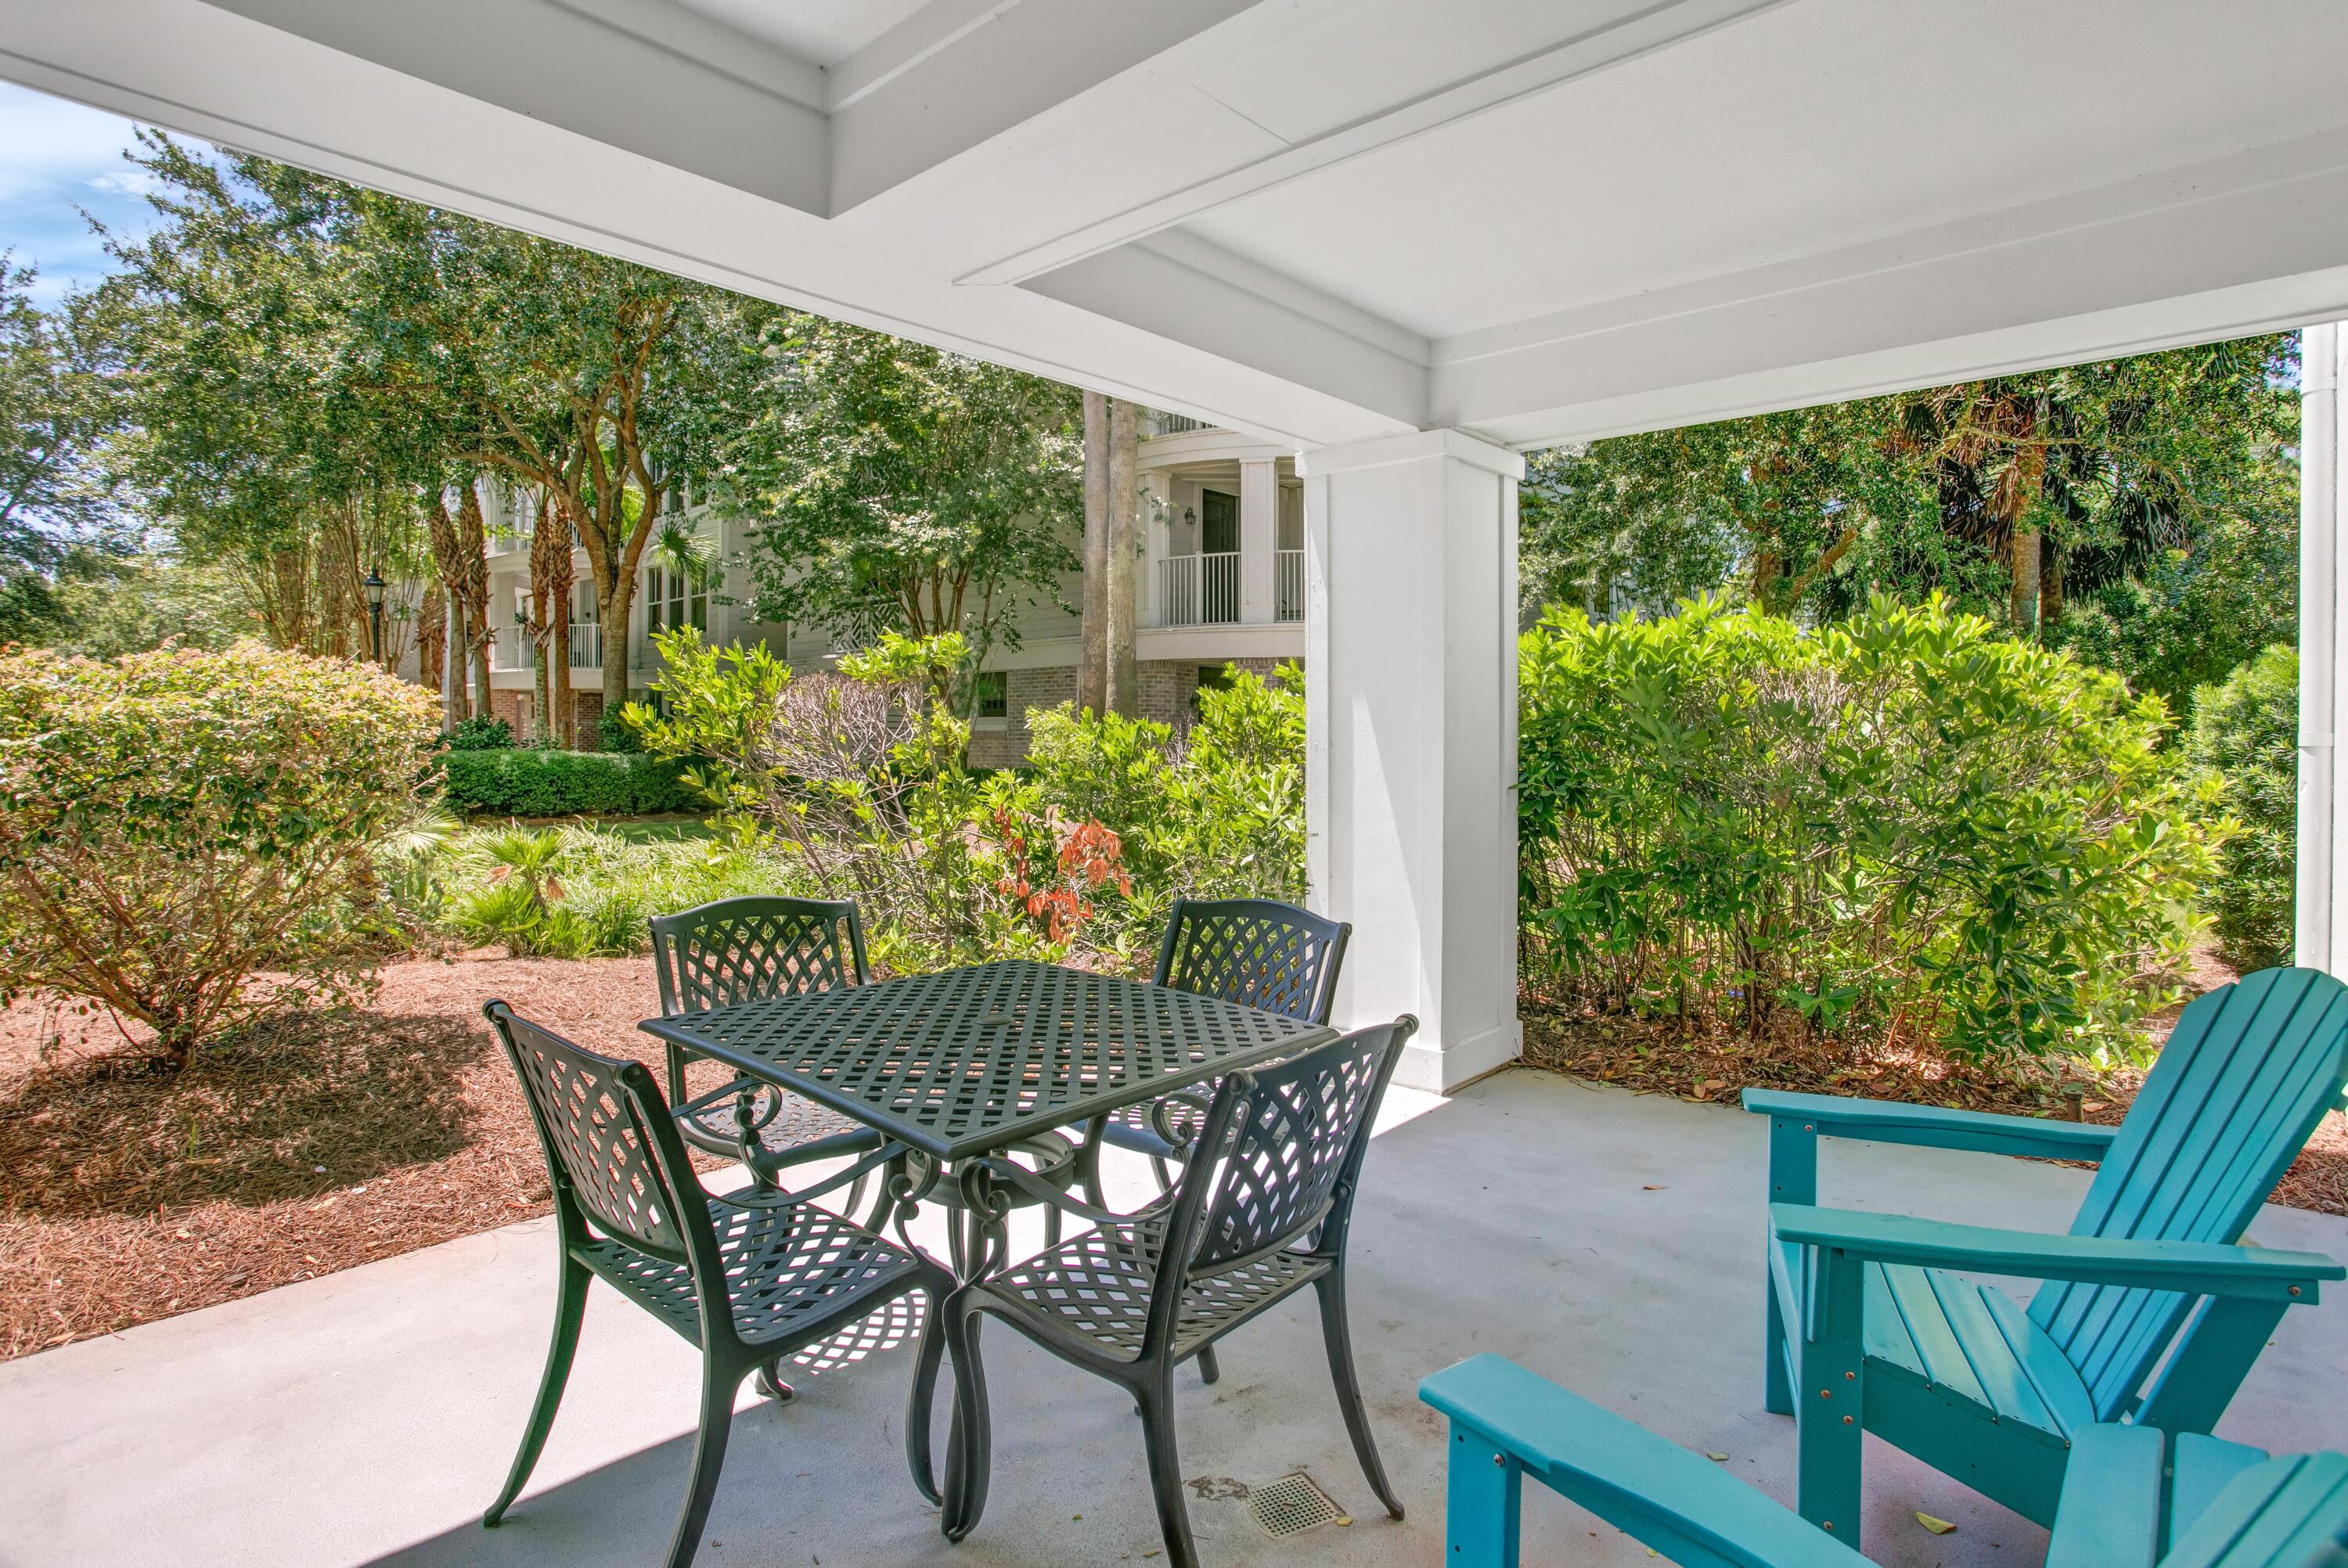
2238, 1091
2284, 1513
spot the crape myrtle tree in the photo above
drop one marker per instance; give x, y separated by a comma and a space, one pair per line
591, 379
896, 487
2143, 510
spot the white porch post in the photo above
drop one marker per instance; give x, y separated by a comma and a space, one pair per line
2320, 940
1259, 535
1411, 737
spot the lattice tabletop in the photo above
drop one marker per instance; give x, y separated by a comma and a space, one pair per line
960, 1064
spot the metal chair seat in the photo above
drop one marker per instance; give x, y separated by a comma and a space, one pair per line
1095, 1288
786, 1264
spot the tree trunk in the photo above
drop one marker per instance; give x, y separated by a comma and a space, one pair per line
431, 629
2025, 554
611, 610
565, 716
452, 669
2050, 587
1768, 566
1092, 663
472, 536
1124, 559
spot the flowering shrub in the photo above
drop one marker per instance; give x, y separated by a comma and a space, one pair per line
187, 838
1908, 823
861, 775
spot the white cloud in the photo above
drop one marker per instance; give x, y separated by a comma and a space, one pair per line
126, 182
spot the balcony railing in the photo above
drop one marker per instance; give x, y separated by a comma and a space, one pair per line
510, 650
586, 645
1288, 585
1173, 424
1198, 591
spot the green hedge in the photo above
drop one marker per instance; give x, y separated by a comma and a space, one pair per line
566, 783
1906, 824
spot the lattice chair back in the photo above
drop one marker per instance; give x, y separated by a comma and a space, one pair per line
745, 949
605, 1131
1293, 1137
2240, 1086
1256, 952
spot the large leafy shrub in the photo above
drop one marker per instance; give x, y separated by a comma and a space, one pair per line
858, 775
1908, 821
187, 838
2246, 741
530, 783
1217, 812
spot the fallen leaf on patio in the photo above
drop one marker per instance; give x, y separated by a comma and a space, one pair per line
1651, 1189
1937, 1526
1717, 1458
1344, 1518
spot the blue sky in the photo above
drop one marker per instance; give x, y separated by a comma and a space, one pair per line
56, 156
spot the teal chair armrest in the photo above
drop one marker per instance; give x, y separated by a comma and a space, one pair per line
2197, 1268
1933, 1126
1507, 1421
1797, 1123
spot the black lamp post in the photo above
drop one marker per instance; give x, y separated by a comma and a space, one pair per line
374, 587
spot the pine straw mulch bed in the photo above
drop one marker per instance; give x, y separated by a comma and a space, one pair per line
1659, 1059
311, 1146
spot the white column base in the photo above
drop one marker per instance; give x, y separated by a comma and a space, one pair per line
1439, 1067
1410, 638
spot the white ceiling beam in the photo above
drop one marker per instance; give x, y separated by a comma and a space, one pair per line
1000, 67
1281, 327
1656, 26
597, 67
2255, 241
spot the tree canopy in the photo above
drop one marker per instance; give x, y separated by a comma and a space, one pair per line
2150, 503
898, 486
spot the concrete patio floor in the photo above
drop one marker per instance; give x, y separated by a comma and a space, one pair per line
1606, 1240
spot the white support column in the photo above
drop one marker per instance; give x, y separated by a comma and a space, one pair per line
2320, 940
1259, 534
1411, 737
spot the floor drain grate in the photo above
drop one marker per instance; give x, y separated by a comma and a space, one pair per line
1291, 1506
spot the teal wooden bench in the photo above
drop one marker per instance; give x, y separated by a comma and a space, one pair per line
2135, 1496
2151, 1311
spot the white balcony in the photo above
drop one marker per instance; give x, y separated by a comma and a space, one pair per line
510, 649
586, 645
1197, 590
1288, 585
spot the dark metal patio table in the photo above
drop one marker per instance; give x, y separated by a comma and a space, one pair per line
956, 1067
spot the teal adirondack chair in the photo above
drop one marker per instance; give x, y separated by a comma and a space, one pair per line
1868, 1332
2135, 1498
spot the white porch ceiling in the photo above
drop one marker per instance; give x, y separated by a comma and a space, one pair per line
1329, 219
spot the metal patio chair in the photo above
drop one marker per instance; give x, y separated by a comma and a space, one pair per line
1261, 1212
747, 949
750, 1279
1257, 952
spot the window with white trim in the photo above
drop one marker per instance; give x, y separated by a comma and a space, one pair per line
672, 599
